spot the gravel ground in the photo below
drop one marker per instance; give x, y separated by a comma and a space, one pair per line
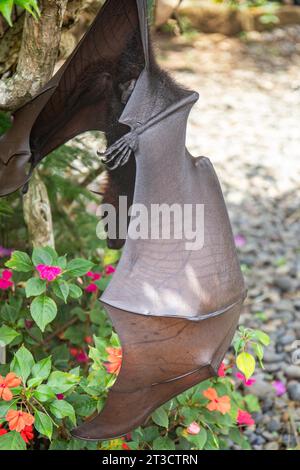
247, 122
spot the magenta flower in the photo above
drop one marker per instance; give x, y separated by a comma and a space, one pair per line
5, 282
222, 370
28, 324
94, 276
246, 382
239, 241
48, 273
91, 288
60, 396
193, 428
5, 252
280, 388
244, 418
82, 357
109, 270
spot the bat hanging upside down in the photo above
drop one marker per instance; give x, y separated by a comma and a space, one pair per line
174, 309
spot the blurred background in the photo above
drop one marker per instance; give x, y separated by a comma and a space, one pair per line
243, 57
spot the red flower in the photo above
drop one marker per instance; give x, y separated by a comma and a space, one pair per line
79, 354
244, 418
125, 446
2, 431
88, 339
74, 351
114, 363
27, 434
60, 396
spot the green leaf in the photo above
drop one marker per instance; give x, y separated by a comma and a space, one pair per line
42, 368
12, 441
198, 440
262, 337
259, 352
34, 382
75, 335
61, 290
79, 267
9, 313
62, 262
20, 262
35, 286
6, 9
22, 363
44, 393
252, 403
63, 409
43, 310
61, 382
160, 417
31, 6
43, 424
246, 364
163, 443
83, 404
41, 256
7, 334
75, 291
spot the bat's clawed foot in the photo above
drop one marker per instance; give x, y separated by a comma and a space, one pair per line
118, 154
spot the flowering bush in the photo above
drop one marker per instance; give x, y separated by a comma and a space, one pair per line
63, 355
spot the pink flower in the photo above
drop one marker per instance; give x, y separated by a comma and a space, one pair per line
279, 387
244, 418
60, 396
193, 428
5, 282
222, 370
48, 273
246, 382
239, 241
91, 288
94, 276
109, 270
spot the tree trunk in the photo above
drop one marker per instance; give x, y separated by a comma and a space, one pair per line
38, 54
37, 213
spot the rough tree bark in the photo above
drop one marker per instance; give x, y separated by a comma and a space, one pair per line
38, 53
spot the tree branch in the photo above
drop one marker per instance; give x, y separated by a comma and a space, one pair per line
38, 53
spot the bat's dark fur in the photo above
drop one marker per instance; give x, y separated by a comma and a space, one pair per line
121, 181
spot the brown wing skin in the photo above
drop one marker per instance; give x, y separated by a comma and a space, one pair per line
87, 96
84, 94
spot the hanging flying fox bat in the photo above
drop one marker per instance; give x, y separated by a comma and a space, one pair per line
175, 309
